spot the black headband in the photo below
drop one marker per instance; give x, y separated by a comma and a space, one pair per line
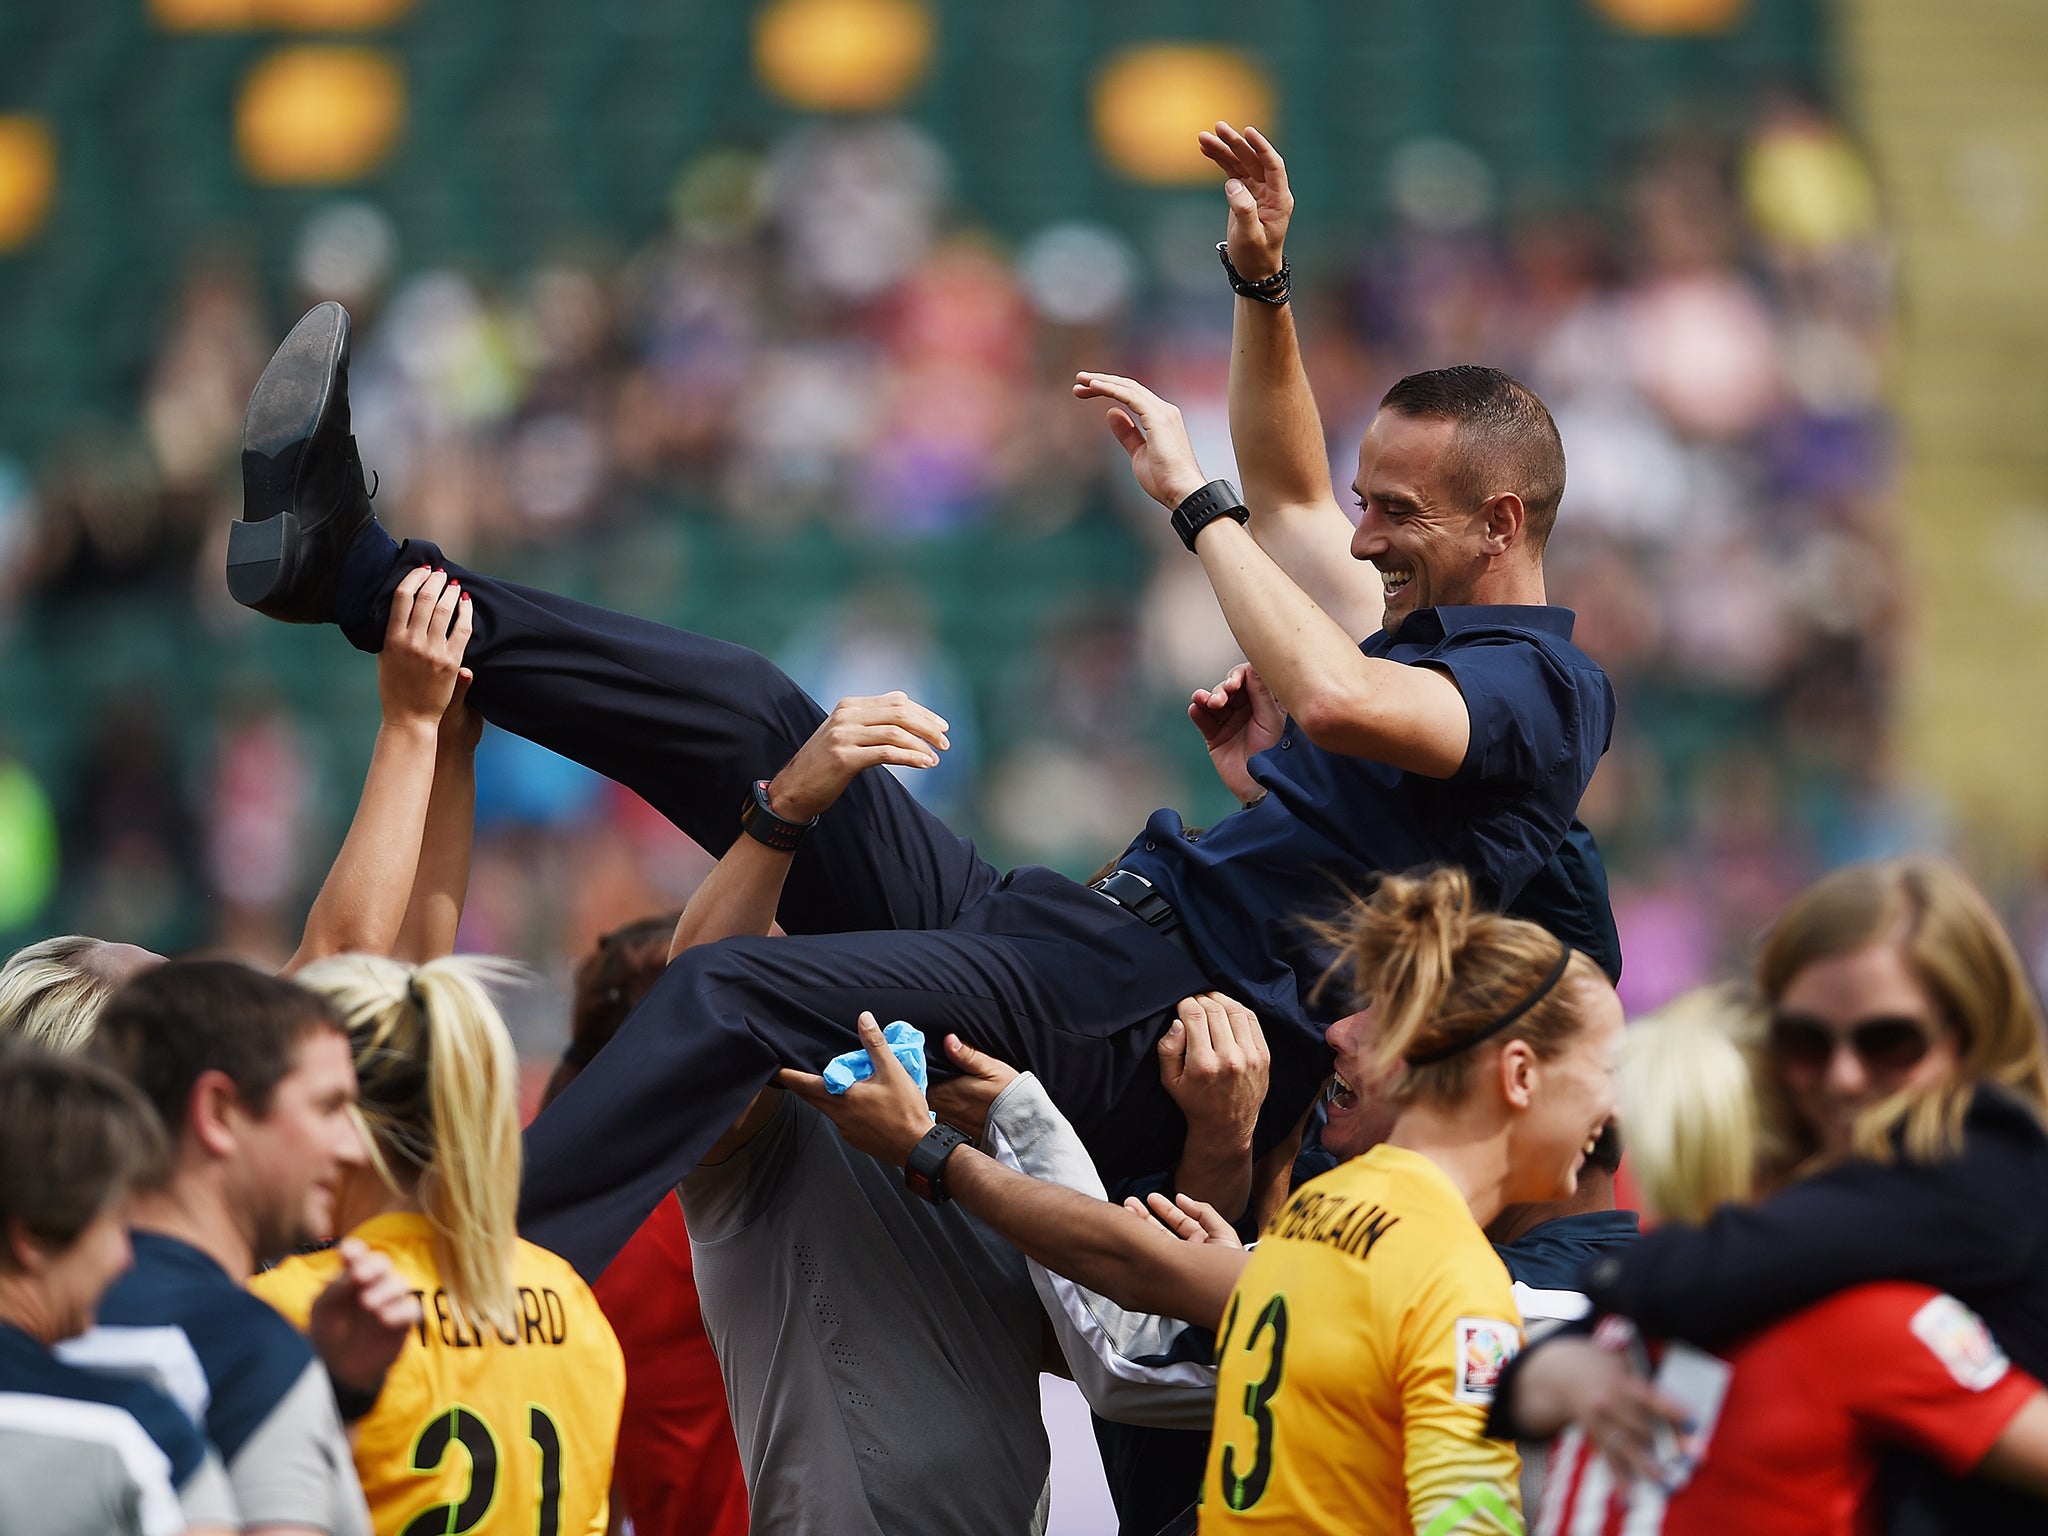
1493, 1027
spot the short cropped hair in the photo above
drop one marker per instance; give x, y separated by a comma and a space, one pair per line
1506, 440
51, 991
187, 1017
73, 1137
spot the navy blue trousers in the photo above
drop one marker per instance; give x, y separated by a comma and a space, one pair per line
886, 909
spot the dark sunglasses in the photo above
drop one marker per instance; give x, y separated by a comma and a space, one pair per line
1886, 1046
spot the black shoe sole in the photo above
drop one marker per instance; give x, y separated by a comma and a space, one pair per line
284, 412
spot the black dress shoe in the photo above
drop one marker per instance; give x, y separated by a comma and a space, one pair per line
303, 500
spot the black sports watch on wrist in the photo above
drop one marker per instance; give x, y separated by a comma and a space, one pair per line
759, 821
1219, 498
924, 1171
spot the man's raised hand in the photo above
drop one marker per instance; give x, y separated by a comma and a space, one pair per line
1238, 718
1256, 189
421, 663
1151, 431
885, 1116
860, 733
1214, 1064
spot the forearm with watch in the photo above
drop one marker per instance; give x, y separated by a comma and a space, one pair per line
744, 888
1099, 1246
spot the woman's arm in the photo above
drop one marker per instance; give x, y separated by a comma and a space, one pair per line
362, 904
1125, 1255
434, 912
1959, 1225
2020, 1455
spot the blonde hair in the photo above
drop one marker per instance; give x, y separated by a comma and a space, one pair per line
1960, 952
1438, 968
51, 992
439, 1103
1688, 1106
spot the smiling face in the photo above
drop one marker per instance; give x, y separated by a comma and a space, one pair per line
1569, 1099
292, 1160
1427, 542
1358, 1112
1872, 994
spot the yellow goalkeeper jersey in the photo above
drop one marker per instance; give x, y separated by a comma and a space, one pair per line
476, 1433
1357, 1361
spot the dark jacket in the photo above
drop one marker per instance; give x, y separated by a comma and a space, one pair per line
1974, 1225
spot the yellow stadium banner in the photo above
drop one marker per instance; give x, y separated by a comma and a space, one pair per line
842, 55
1662, 18
28, 178
319, 115
1149, 102
289, 15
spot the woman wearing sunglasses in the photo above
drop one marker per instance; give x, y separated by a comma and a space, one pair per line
1905, 1071
1781, 1434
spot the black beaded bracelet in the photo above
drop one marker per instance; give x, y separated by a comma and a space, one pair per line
1272, 289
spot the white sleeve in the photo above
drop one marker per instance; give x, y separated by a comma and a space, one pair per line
1106, 1347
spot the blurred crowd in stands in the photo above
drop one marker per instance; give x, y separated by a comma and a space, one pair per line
822, 340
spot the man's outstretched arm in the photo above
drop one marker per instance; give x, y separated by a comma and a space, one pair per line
744, 888
1274, 427
1343, 700
1125, 1255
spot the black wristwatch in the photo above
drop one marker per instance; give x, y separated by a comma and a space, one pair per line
759, 821
1219, 498
924, 1171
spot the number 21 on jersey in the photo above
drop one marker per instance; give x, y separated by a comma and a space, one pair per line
470, 1430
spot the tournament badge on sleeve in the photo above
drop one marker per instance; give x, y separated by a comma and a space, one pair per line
1958, 1338
1485, 1345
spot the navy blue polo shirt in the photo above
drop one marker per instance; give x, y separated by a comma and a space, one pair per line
244, 1375
1542, 712
80, 1450
1556, 1255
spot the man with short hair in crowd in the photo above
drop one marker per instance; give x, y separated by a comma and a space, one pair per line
253, 1080
81, 1451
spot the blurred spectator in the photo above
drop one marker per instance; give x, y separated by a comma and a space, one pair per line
263, 784
881, 641
129, 830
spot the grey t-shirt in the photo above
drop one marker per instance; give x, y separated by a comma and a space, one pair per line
880, 1353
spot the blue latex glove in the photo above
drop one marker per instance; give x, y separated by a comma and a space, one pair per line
906, 1044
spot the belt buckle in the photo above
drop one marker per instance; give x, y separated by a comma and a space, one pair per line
1116, 877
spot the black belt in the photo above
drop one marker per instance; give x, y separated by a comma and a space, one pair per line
1137, 896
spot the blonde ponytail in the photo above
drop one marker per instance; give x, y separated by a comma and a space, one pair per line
439, 1098
1438, 970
